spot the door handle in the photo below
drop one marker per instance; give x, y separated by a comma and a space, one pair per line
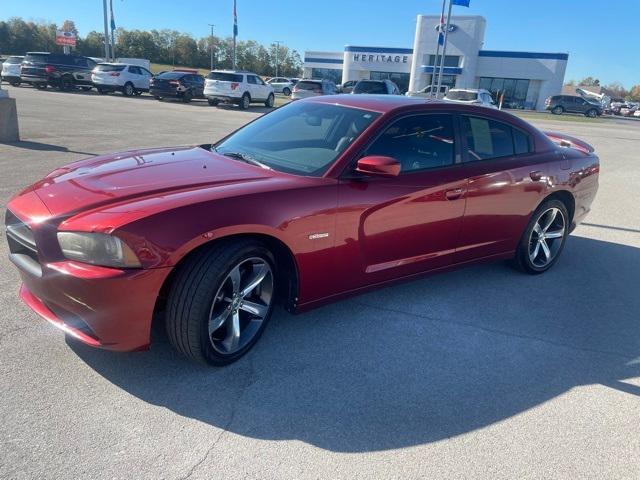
536, 175
454, 194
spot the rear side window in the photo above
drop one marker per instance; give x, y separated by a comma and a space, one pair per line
102, 67
370, 87
313, 86
418, 142
486, 138
521, 142
225, 77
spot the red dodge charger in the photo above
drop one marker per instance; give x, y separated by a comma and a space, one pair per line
317, 200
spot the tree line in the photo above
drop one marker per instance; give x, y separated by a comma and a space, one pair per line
164, 46
614, 89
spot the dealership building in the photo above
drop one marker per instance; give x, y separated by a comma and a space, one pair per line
522, 79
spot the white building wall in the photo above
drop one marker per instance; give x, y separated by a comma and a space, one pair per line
360, 61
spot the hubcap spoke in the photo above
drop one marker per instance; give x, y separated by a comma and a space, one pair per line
259, 273
554, 234
533, 255
551, 216
216, 322
233, 336
537, 229
234, 276
545, 250
254, 308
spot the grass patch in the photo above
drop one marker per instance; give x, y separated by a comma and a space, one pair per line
556, 118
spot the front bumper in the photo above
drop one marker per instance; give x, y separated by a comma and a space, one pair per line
102, 307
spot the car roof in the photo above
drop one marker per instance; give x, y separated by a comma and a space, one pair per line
377, 103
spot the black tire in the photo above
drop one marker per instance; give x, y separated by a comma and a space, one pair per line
192, 295
157, 98
522, 260
213, 102
40, 86
86, 89
66, 83
102, 91
245, 101
187, 96
286, 91
557, 110
128, 89
138, 93
270, 101
593, 113
15, 83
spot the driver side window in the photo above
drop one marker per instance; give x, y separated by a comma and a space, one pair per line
418, 142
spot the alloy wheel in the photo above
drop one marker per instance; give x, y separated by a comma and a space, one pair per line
547, 237
240, 305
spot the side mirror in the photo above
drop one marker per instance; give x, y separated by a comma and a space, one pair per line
380, 166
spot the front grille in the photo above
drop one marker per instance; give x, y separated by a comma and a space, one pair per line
22, 244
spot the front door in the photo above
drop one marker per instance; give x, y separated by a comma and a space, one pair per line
394, 227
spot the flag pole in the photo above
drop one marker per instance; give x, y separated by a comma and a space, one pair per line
435, 60
235, 32
444, 47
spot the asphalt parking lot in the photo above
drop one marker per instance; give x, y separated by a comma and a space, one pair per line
478, 373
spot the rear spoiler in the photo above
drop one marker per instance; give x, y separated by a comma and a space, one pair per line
568, 141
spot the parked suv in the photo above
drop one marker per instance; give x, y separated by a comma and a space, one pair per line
281, 85
63, 71
558, 104
426, 92
181, 84
313, 88
473, 96
378, 87
128, 79
237, 87
11, 70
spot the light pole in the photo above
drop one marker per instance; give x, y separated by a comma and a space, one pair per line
106, 32
277, 42
211, 43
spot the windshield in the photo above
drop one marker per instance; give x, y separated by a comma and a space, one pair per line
314, 86
225, 77
105, 67
370, 87
462, 95
300, 138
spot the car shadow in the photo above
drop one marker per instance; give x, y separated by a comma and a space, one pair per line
414, 363
48, 147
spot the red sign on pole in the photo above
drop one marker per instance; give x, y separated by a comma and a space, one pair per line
65, 38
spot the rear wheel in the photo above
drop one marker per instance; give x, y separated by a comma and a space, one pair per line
544, 238
128, 89
245, 101
270, 101
102, 91
14, 83
40, 86
286, 91
221, 301
557, 110
66, 83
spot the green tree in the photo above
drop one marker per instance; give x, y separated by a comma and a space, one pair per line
590, 82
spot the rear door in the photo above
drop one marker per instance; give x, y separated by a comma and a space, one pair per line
499, 160
394, 227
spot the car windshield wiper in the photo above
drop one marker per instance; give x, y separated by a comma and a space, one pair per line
244, 157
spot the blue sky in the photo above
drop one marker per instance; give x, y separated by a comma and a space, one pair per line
602, 38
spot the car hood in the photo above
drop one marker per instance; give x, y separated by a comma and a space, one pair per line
128, 176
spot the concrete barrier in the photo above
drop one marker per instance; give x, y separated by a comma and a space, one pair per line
9, 131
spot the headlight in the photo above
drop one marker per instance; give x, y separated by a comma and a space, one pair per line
97, 249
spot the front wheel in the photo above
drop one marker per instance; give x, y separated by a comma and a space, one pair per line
270, 101
40, 86
544, 238
245, 101
286, 91
187, 96
221, 301
66, 83
213, 102
592, 113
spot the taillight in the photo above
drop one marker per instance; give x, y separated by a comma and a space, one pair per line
114, 74
234, 85
49, 69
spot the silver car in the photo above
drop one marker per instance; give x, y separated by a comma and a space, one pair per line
281, 85
313, 88
11, 70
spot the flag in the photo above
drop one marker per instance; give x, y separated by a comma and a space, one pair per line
113, 22
441, 28
235, 20
462, 3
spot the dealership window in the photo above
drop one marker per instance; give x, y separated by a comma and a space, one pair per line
487, 138
327, 73
449, 60
400, 79
447, 80
418, 142
514, 90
